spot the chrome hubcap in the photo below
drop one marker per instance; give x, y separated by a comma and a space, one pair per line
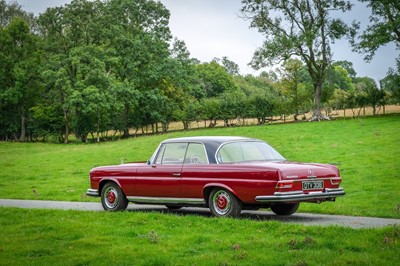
221, 202
111, 197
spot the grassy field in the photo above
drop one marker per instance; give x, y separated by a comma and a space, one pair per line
49, 237
366, 151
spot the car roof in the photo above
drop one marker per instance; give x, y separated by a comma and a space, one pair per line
208, 139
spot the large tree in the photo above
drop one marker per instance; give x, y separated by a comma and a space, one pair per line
68, 31
302, 29
115, 49
293, 87
138, 37
384, 28
19, 76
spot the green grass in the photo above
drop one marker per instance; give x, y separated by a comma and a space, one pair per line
366, 150
51, 237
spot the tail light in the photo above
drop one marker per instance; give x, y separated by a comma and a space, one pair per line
336, 181
284, 184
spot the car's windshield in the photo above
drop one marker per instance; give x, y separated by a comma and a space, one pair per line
244, 151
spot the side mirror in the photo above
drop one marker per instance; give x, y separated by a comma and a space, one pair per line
148, 162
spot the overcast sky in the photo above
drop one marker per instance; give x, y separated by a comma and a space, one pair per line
213, 28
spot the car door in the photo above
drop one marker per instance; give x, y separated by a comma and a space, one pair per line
162, 177
195, 171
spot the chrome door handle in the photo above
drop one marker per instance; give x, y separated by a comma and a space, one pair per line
176, 174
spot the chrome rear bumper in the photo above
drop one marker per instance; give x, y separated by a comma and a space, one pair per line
92, 192
328, 194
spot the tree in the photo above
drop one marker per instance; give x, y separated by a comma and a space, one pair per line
12, 10
138, 38
292, 85
116, 50
391, 83
19, 68
368, 93
68, 33
261, 106
189, 111
210, 110
231, 106
251, 85
384, 29
339, 100
337, 78
348, 66
215, 80
302, 29
231, 67
92, 99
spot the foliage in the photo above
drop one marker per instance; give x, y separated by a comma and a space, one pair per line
108, 69
348, 66
369, 94
295, 87
300, 29
384, 29
391, 83
215, 79
231, 67
101, 56
19, 76
339, 99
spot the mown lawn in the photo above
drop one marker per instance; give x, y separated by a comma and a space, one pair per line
50, 237
366, 150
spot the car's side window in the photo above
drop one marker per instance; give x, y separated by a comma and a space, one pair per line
238, 152
171, 153
196, 154
229, 153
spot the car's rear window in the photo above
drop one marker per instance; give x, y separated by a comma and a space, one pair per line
244, 151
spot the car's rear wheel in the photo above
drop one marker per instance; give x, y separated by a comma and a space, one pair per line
112, 197
285, 208
223, 203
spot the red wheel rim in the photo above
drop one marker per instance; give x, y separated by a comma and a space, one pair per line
221, 202
111, 197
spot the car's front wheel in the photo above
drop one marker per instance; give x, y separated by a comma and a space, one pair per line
223, 203
285, 208
112, 197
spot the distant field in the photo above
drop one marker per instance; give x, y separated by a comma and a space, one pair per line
348, 113
366, 151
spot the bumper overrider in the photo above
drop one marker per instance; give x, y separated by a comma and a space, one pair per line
92, 192
328, 194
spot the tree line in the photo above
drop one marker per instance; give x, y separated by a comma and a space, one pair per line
106, 68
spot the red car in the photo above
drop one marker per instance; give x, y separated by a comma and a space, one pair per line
225, 174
